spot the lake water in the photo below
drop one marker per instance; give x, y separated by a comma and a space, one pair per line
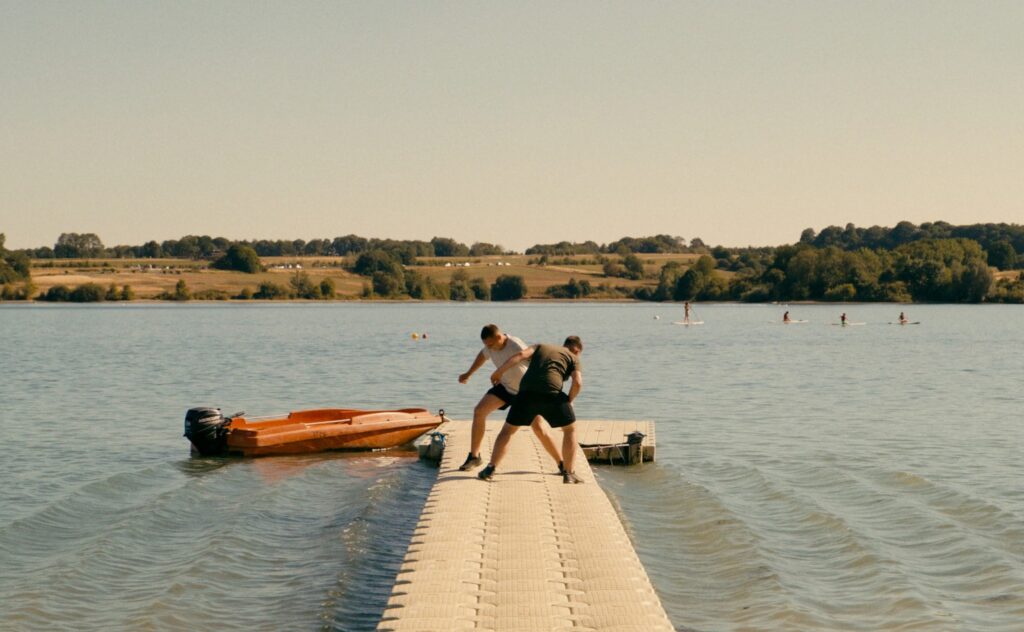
809, 477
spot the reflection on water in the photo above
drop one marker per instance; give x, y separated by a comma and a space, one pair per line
808, 478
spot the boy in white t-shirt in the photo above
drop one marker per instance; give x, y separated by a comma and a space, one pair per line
499, 347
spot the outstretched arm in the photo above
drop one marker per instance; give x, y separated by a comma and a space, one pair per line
577, 384
477, 363
525, 354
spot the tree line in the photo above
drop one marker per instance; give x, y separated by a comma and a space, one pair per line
624, 246
1002, 242
15, 276
933, 262
90, 246
928, 270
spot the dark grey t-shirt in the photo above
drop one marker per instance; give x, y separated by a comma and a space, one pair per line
549, 367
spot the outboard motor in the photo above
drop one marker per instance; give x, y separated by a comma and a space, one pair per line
207, 429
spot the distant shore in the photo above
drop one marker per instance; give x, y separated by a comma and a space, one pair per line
556, 280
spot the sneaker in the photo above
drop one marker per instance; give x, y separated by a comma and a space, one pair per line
571, 479
471, 462
561, 468
486, 474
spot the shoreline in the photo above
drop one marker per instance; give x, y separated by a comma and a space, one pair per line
414, 301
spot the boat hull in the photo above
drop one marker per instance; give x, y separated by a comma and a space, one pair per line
309, 431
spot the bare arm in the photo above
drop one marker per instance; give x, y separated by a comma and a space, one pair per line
525, 354
477, 363
577, 384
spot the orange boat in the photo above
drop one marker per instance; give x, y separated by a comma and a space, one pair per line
305, 431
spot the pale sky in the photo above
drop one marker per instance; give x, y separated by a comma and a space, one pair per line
517, 123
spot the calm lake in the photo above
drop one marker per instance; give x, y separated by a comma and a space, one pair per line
809, 476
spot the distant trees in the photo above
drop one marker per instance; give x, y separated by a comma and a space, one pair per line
483, 249
946, 270
572, 289
508, 287
304, 287
565, 248
385, 284
459, 288
422, 287
390, 278
181, 291
936, 270
647, 245
445, 247
15, 274
695, 282
993, 238
270, 291
1008, 290
629, 267
14, 266
1002, 255
377, 261
327, 288
239, 258
480, 288
626, 245
634, 266
78, 246
933, 261
349, 244
462, 288
87, 293
57, 293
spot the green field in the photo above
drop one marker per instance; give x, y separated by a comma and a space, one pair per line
149, 278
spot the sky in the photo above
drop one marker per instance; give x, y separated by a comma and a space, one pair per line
516, 123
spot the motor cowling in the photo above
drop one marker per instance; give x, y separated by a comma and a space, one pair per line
207, 429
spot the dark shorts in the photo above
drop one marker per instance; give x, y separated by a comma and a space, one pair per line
502, 393
553, 407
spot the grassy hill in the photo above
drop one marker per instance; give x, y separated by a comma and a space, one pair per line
149, 278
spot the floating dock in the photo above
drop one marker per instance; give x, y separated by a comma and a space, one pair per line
524, 551
616, 442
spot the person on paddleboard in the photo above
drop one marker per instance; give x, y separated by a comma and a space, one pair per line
903, 318
686, 312
785, 317
842, 319
499, 347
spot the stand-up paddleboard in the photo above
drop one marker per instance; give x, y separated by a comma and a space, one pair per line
916, 322
846, 324
687, 323
789, 322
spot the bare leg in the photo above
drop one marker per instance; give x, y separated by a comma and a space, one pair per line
569, 447
487, 405
501, 443
540, 428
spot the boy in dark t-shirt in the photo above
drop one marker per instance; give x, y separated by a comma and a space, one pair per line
540, 395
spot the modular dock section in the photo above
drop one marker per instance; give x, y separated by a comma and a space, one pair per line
522, 552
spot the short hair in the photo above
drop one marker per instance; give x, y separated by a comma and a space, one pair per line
573, 341
489, 331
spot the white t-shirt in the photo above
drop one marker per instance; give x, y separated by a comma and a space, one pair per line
510, 379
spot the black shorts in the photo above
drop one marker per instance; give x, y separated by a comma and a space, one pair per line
553, 407
501, 393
